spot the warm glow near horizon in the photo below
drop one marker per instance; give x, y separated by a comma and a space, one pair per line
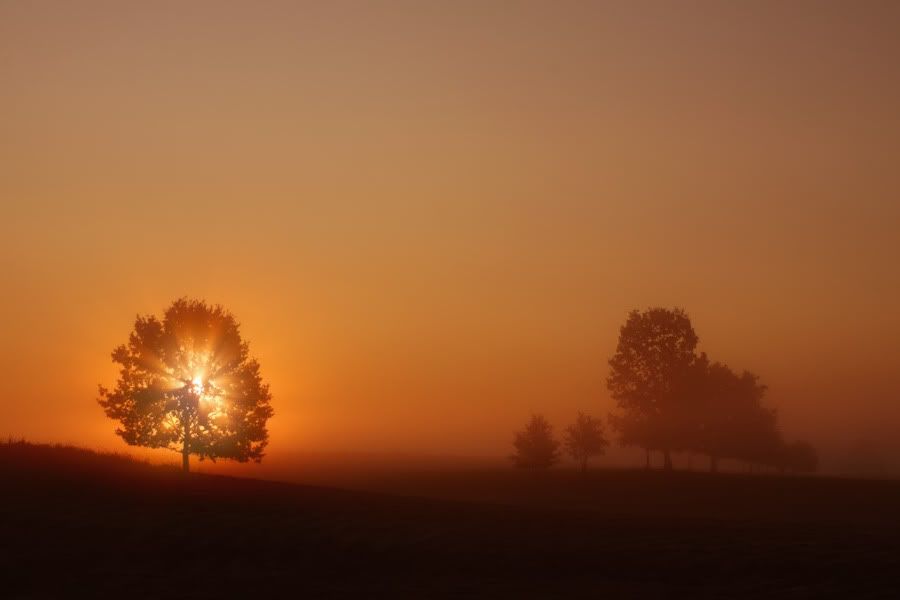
431, 221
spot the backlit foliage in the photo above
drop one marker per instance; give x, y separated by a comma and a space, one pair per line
187, 383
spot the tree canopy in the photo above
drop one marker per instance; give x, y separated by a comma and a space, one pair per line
187, 383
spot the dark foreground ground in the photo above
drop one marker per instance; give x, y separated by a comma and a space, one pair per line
73, 523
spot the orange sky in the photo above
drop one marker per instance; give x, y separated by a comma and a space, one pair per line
431, 220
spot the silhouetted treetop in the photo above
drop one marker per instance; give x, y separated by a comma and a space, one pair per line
187, 383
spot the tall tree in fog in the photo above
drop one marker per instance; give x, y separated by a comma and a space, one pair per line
187, 383
536, 448
584, 438
655, 351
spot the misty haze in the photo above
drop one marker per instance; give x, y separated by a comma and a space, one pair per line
403, 299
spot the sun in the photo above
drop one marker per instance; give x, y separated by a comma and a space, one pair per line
210, 397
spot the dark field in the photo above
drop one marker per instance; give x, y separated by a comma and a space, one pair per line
80, 524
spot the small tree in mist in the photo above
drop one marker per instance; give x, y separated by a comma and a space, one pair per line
584, 438
536, 448
187, 383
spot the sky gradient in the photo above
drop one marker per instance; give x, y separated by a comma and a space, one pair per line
432, 218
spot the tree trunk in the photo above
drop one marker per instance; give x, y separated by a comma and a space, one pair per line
186, 447
584, 465
713, 463
667, 457
647, 464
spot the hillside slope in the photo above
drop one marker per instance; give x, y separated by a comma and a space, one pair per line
74, 522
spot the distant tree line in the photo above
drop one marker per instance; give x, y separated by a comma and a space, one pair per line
670, 398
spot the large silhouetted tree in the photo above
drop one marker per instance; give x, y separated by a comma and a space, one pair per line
536, 448
584, 438
187, 383
655, 351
